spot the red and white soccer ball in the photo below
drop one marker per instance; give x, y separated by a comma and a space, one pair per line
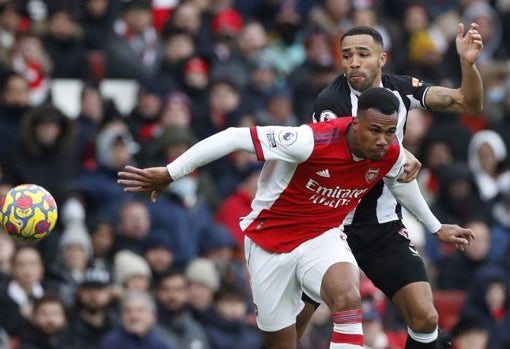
29, 212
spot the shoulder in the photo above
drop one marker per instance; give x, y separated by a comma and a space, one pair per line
338, 85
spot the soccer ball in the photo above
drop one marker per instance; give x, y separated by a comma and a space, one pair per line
29, 212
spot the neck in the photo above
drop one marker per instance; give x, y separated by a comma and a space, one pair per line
96, 319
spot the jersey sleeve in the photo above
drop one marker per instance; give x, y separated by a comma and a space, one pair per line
291, 144
398, 167
411, 88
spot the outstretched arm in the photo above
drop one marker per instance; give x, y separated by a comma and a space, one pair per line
156, 179
409, 195
469, 97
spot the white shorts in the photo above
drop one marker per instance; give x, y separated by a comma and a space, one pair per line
278, 279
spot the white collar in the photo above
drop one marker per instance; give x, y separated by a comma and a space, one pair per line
18, 294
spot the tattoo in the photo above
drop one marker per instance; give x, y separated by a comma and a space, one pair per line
443, 99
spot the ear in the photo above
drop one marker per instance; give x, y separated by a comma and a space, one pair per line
382, 59
355, 122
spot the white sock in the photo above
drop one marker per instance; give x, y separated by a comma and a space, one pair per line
423, 337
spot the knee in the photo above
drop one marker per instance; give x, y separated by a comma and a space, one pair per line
424, 321
347, 299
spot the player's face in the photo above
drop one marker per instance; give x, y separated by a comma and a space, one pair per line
362, 61
374, 134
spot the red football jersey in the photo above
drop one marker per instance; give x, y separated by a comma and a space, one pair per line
310, 182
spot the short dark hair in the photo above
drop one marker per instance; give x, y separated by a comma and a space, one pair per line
379, 98
364, 30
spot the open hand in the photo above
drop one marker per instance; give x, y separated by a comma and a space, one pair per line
152, 179
469, 46
452, 233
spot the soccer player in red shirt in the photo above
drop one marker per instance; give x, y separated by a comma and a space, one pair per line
313, 176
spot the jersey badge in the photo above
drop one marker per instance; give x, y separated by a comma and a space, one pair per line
416, 83
287, 137
324, 173
327, 115
371, 175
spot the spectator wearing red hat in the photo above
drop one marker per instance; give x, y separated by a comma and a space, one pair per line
195, 82
227, 60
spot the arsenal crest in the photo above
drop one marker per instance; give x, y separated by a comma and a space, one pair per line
371, 174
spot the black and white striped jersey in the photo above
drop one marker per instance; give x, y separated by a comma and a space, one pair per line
339, 99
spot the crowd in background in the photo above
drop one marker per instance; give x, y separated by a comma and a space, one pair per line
121, 271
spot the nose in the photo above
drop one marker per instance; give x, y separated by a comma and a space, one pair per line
382, 140
355, 62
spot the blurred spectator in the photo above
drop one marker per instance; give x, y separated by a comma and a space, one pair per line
195, 82
147, 108
170, 142
74, 255
204, 281
262, 81
102, 238
373, 331
178, 47
91, 316
46, 147
65, 47
286, 51
279, 109
25, 285
435, 152
10, 20
134, 50
132, 226
137, 322
468, 333
131, 272
458, 199
490, 28
252, 39
7, 249
48, 328
174, 316
97, 18
92, 116
416, 18
14, 102
238, 204
222, 249
488, 296
425, 59
332, 16
227, 62
367, 16
183, 212
29, 58
486, 155
176, 114
226, 325
192, 17
115, 149
500, 244
315, 73
417, 126
457, 268
318, 333
157, 251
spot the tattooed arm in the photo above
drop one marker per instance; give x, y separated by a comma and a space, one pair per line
469, 97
